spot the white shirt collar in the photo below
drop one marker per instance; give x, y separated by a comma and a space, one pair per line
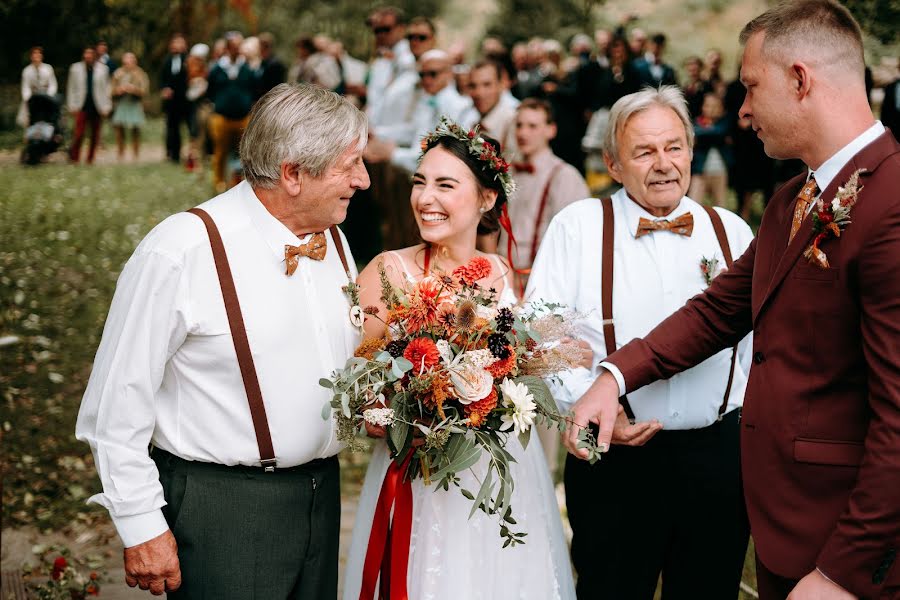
826, 173
273, 231
634, 211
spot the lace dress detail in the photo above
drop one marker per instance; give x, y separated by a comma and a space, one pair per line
452, 556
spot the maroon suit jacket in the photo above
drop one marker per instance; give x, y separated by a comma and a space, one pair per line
820, 432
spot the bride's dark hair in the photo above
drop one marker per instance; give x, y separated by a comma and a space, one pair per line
485, 176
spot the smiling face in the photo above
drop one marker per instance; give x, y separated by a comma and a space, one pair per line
485, 88
654, 163
533, 131
435, 74
328, 195
446, 199
771, 104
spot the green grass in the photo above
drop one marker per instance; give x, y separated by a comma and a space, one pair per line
153, 132
65, 234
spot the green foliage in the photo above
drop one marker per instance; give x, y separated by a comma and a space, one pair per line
65, 234
878, 18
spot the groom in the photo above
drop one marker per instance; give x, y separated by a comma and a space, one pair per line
239, 494
820, 432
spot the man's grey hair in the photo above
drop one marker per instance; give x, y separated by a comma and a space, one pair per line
825, 29
303, 125
667, 96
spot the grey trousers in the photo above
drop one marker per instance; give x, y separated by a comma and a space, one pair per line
245, 534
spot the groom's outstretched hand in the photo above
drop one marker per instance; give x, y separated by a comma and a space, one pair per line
600, 405
154, 565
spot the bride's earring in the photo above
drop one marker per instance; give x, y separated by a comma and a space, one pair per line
482, 209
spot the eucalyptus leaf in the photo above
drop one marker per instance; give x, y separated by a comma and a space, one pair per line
345, 404
542, 396
487, 487
326, 383
404, 364
524, 437
326, 411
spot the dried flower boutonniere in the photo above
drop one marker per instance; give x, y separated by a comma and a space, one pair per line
831, 219
709, 268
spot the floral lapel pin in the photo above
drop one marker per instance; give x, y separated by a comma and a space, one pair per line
831, 219
709, 268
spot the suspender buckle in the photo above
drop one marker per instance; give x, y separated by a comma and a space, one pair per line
268, 465
606, 322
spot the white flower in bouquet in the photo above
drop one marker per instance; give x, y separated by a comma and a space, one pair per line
479, 359
471, 383
382, 417
445, 351
519, 398
486, 312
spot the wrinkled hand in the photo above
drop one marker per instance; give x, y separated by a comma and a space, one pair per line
166, 93
600, 405
154, 565
626, 434
816, 586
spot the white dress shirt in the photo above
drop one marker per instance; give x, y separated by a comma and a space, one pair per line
166, 372
383, 72
653, 276
428, 111
829, 169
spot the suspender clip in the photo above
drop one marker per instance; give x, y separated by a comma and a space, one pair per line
608, 322
268, 465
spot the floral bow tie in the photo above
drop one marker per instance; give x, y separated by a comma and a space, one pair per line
683, 225
315, 249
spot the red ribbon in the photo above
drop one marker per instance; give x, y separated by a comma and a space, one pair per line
388, 551
506, 224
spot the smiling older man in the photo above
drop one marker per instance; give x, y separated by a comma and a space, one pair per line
219, 330
672, 480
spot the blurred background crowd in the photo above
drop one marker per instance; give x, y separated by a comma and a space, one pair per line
535, 94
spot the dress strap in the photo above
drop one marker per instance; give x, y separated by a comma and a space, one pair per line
400, 260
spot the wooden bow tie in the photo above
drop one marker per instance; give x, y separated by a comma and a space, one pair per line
315, 249
683, 225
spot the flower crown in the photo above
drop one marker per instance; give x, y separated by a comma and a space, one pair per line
478, 147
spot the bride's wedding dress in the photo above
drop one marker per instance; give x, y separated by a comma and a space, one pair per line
452, 556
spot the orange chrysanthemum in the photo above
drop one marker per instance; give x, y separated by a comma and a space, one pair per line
476, 269
422, 353
369, 348
446, 316
501, 368
483, 406
423, 305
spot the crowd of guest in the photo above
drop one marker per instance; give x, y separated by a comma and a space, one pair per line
208, 91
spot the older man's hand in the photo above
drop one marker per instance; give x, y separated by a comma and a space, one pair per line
154, 565
626, 434
600, 405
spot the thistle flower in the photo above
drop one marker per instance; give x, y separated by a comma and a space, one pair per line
466, 315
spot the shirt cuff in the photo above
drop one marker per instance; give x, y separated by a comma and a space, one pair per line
137, 529
617, 374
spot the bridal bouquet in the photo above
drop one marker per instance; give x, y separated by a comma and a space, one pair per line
455, 381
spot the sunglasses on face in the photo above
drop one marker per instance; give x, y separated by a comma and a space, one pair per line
418, 37
381, 30
429, 74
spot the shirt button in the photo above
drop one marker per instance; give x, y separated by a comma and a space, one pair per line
759, 358
675, 414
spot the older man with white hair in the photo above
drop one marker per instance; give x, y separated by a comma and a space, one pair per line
672, 477
221, 325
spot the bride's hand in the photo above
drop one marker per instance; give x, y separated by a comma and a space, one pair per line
375, 431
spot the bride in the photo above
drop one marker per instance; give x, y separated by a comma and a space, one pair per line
458, 194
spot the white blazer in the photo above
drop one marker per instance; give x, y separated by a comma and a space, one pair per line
76, 88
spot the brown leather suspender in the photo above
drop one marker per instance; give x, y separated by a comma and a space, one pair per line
719, 228
241, 344
542, 208
609, 329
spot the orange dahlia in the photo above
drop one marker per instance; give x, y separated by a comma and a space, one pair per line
476, 269
501, 368
422, 353
423, 305
483, 406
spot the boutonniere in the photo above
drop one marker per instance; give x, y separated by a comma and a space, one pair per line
357, 316
831, 219
709, 268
